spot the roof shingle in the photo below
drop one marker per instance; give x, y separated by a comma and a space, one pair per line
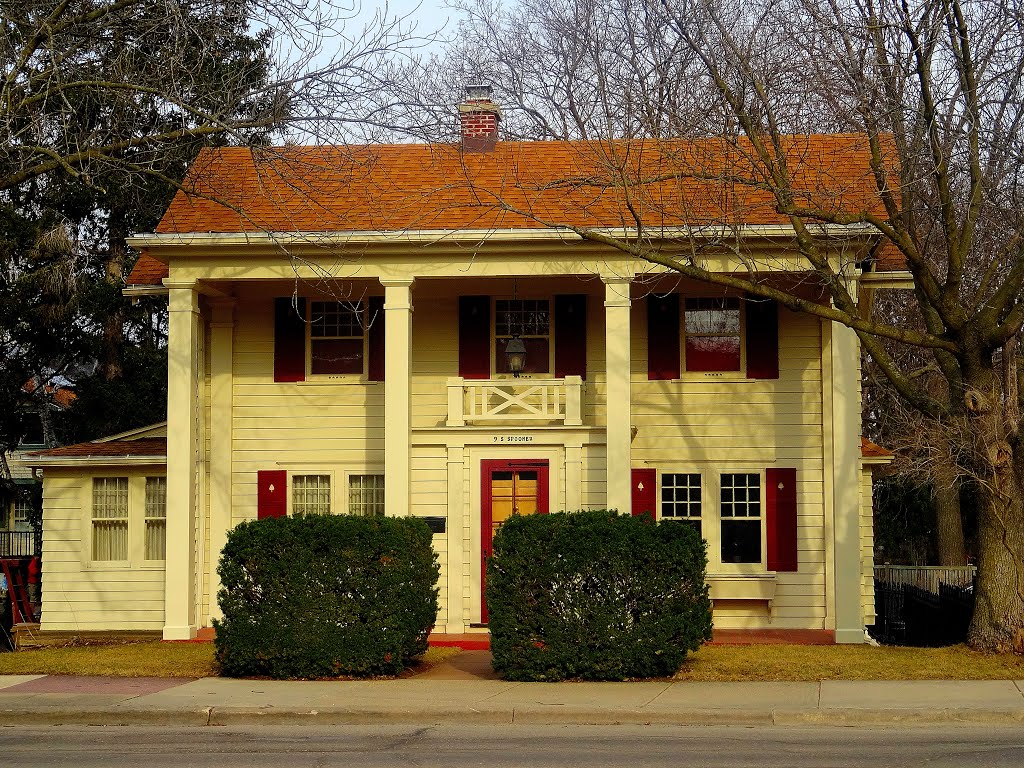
520, 185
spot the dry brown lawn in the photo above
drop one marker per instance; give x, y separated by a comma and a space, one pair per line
148, 659
714, 663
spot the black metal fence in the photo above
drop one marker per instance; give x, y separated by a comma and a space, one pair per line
909, 615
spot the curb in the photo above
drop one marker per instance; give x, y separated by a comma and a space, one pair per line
210, 716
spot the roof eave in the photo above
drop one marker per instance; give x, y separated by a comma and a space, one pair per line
423, 236
94, 461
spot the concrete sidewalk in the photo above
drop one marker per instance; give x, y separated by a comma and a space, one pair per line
464, 691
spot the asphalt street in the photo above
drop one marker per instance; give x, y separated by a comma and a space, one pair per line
453, 746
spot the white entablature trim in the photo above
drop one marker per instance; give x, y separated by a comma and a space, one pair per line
713, 232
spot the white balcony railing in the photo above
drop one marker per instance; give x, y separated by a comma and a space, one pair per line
494, 401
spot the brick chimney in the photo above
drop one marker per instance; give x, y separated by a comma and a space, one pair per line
480, 117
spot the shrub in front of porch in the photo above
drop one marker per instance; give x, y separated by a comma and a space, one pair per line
595, 596
325, 596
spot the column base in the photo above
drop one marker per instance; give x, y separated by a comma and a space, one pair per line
850, 636
180, 633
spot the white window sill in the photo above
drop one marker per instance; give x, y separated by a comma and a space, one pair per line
742, 586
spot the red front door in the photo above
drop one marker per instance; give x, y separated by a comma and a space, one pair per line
507, 488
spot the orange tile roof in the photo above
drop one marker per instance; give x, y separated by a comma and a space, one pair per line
62, 396
146, 446
147, 271
873, 450
520, 185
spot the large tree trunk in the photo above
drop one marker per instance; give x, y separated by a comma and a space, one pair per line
110, 363
949, 528
998, 622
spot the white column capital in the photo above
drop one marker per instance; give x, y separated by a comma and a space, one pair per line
616, 291
397, 282
182, 297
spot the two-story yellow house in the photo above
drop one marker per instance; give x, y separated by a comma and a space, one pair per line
413, 330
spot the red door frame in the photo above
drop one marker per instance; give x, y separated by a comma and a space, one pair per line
487, 468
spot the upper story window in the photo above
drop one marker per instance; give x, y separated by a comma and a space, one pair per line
530, 320
34, 434
712, 332
22, 513
337, 338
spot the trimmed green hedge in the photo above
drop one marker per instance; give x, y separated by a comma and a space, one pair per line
595, 596
325, 596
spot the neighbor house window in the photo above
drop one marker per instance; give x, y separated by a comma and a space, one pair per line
366, 495
712, 331
110, 518
530, 320
156, 518
311, 494
740, 509
22, 513
337, 337
681, 498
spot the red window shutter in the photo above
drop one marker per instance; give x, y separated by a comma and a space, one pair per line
663, 337
762, 338
271, 493
375, 340
475, 337
645, 492
571, 335
780, 518
289, 339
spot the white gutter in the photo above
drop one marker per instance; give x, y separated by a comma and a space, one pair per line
366, 237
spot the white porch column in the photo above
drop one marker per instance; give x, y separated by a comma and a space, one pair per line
617, 341
455, 527
222, 331
846, 419
397, 395
183, 414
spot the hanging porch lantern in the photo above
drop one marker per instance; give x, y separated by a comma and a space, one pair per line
515, 354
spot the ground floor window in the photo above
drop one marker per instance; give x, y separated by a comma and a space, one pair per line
725, 507
311, 494
110, 518
156, 518
366, 495
128, 519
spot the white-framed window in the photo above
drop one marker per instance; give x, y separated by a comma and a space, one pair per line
366, 495
530, 320
311, 494
741, 517
682, 498
155, 523
712, 334
110, 519
727, 508
22, 516
337, 338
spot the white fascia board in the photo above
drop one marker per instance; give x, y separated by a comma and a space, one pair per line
898, 279
134, 291
141, 431
96, 461
877, 459
422, 236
